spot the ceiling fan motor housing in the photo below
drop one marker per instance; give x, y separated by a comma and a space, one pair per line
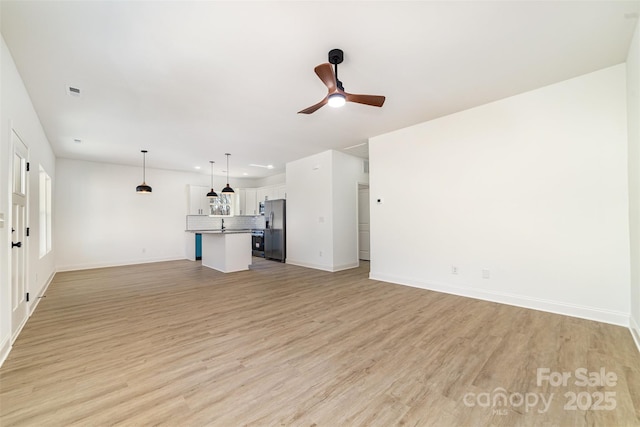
336, 56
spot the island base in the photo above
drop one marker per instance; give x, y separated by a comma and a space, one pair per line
226, 252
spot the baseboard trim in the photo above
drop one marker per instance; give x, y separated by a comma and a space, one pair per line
15, 336
77, 267
322, 267
32, 309
5, 348
583, 312
634, 327
342, 267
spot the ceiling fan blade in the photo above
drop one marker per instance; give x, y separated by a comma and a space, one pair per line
313, 108
326, 74
373, 100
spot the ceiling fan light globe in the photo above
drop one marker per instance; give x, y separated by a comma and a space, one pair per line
337, 100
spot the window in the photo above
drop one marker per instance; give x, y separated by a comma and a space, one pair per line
45, 213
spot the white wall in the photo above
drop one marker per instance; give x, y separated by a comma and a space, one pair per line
532, 188
280, 178
17, 112
322, 199
633, 123
309, 212
102, 221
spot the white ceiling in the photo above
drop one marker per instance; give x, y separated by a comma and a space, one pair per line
189, 81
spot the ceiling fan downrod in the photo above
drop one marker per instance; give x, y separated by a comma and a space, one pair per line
336, 56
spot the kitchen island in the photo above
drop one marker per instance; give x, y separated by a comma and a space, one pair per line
226, 251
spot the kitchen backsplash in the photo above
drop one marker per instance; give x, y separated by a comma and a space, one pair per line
203, 222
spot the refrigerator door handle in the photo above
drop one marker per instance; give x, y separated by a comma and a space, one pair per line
271, 220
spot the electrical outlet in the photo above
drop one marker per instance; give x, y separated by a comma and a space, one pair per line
486, 274
454, 269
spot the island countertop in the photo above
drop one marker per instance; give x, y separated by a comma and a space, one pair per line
218, 231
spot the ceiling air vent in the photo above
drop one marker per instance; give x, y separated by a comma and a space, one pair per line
73, 91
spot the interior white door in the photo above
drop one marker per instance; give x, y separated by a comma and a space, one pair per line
363, 223
18, 233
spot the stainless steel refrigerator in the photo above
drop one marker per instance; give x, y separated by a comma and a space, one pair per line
275, 230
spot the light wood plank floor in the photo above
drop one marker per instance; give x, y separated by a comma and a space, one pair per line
177, 344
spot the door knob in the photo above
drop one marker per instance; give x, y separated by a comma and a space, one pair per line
13, 245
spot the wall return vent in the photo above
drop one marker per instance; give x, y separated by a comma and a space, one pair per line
73, 91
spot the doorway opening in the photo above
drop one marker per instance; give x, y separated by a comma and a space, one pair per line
363, 223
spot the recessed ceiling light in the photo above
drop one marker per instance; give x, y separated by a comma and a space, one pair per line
196, 167
262, 166
244, 173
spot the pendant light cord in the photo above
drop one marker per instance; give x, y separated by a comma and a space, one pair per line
144, 166
144, 188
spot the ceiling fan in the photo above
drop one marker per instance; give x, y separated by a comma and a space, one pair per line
337, 97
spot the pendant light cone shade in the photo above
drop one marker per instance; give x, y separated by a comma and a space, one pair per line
227, 189
212, 194
144, 188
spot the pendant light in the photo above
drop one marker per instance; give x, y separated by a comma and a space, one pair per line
227, 189
212, 194
143, 188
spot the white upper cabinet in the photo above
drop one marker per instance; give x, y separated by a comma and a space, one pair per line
280, 191
245, 201
198, 204
241, 201
251, 202
262, 194
272, 192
